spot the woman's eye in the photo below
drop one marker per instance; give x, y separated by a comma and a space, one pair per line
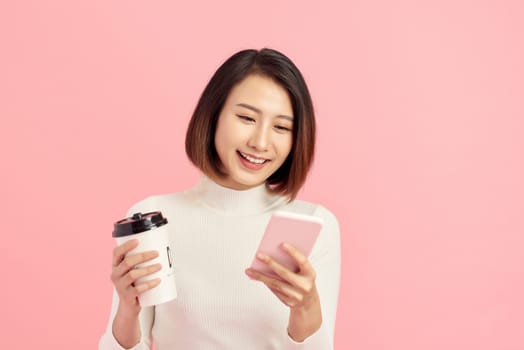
246, 118
282, 128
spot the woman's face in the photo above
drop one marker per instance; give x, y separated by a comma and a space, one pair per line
254, 133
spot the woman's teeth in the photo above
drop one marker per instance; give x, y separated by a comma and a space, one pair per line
251, 159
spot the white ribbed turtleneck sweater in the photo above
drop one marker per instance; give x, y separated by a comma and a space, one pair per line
214, 233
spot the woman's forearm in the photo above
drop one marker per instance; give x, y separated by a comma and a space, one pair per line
126, 328
305, 321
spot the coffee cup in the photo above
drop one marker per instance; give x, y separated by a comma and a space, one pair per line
151, 231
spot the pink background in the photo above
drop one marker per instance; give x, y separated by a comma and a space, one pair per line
421, 154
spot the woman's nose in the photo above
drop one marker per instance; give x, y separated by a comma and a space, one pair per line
259, 139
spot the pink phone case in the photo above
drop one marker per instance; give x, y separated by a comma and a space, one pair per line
301, 231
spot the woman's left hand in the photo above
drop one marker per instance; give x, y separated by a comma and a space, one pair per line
295, 289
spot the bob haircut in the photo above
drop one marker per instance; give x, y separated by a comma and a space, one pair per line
200, 137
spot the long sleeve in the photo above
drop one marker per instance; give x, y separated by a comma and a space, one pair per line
326, 261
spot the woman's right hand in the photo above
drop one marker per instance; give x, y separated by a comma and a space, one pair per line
125, 273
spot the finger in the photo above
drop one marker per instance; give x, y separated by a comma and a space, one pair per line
256, 274
282, 297
303, 263
285, 299
120, 251
146, 285
303, 281
275, 284
279, 269
132, 260
132, 292
290, 293
134, 275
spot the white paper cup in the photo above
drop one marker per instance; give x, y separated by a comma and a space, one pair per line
151, 231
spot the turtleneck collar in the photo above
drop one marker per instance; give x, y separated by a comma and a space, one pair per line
231, 202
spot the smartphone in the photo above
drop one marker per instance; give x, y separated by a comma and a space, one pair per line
299, 230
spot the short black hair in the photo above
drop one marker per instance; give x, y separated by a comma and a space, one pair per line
200, 136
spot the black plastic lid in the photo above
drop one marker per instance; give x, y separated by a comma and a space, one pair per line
138, 223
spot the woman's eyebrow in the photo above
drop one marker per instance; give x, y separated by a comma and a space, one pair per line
257, 110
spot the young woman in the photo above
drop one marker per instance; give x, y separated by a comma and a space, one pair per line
252, 135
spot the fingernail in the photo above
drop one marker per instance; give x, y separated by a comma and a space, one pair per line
261, 256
